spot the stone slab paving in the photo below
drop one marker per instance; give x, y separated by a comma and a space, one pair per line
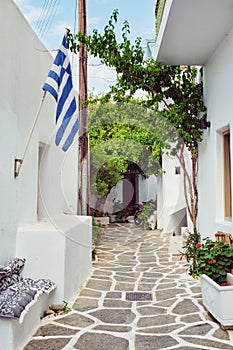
139, 297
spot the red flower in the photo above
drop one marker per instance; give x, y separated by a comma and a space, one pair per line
214, 261
224, 284
209, 262
198, 245
98, 220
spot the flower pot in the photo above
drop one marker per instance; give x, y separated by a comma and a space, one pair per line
218, 300
151, 222
112, 218
103, 220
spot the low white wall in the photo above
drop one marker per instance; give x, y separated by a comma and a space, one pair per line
15, 335
59, 249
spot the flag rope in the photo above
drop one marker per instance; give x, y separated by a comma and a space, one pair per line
19, 161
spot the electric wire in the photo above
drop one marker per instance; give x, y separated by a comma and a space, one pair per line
41, 16
44, 22
50, 18
75, 16
44, 15
74, 29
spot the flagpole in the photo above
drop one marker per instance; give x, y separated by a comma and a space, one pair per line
19, 161
83, 178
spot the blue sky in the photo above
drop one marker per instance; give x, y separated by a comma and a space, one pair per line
51, 22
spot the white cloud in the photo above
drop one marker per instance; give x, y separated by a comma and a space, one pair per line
58, 30
93, 20
32, 13
100, 77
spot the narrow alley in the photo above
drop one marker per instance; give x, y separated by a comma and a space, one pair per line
139, 297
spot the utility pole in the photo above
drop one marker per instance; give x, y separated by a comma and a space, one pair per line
83, 166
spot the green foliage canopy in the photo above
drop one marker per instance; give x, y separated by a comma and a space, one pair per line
122, 134
176, 88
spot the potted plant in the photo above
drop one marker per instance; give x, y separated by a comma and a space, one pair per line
213, 262
123, 211
147, 215
96, 232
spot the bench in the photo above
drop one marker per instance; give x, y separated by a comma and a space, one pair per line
20, 299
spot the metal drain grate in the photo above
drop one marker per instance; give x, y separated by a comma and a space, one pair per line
137, 296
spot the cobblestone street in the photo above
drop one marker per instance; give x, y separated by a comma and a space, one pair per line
139, 297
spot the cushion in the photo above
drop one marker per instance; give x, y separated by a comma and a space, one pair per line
18, 294
11, 273
41, 285
14, 299
16, 265
17, 298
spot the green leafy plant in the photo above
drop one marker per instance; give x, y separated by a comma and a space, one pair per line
96, 232
190, 250
214, 259
145, 213
123, 138
65, 307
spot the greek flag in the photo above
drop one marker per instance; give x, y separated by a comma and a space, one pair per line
59, 85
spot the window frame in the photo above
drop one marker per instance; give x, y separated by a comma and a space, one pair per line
227, 181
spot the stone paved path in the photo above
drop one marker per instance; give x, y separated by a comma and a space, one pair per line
106, 316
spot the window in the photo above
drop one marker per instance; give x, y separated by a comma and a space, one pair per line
227, 175
177, 170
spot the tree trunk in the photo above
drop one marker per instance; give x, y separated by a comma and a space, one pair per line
190, 185
99, 207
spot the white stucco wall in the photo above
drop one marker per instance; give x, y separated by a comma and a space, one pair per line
147, 188
24, 65
115, 196
60, 249
19, 99
38, 208
218, 77
171, 202
47, 183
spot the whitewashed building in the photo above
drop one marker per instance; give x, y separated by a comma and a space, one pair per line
172, 210
200, 33
38, 207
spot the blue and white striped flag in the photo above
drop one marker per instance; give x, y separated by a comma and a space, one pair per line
59, 84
